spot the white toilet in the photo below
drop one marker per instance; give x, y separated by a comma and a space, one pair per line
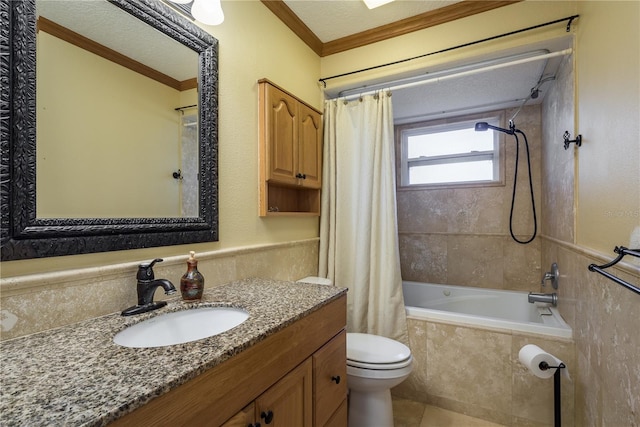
375, 364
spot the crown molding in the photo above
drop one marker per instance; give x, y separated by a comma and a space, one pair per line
291, 20
419, 22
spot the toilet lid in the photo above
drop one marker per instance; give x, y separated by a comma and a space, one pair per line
374, 349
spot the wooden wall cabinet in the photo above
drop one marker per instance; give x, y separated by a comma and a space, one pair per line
297, 374
290, 153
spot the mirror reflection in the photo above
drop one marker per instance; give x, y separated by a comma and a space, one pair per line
33, 230
116, 110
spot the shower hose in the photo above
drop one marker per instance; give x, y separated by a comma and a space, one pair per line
515, 183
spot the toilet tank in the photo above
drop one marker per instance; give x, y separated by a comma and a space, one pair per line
316, 280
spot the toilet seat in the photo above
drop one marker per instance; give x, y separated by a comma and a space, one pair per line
380, 366
375, 352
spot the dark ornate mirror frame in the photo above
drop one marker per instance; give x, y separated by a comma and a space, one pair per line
23, 235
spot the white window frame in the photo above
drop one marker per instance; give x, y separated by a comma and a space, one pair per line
406, 130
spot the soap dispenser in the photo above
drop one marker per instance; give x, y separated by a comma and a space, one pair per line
192, 283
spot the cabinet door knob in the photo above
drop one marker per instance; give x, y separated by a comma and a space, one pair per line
267, 416
301, 175
336, 379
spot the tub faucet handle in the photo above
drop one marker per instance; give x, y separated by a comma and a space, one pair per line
552, 275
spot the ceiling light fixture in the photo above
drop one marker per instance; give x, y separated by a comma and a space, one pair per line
208, 12
371, 4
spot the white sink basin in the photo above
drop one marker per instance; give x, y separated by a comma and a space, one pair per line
181, 327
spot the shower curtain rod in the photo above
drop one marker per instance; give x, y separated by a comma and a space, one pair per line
568, 18
466, 73
185, 107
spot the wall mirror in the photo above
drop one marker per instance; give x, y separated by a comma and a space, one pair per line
68, 110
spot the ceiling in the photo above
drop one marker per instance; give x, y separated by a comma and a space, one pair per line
332, 26
116, 29
332, 20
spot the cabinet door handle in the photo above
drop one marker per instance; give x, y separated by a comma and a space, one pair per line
267, 416
336, 379
301, 176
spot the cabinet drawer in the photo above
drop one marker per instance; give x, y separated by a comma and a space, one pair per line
330, 378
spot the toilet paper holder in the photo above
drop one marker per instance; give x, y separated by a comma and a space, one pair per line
544, 366
557, 406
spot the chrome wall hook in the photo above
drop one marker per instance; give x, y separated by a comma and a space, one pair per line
567, 141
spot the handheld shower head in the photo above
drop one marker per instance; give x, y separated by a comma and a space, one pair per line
483, 126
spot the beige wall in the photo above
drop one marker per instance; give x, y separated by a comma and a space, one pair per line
591, 203
253, 44
99, 125
608, 112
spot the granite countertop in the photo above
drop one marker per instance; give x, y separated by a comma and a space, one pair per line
77, 376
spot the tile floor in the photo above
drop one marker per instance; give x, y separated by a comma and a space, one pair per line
407, 413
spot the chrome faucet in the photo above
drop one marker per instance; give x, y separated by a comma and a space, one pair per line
146, 287
552, 298
552, 275
545, 298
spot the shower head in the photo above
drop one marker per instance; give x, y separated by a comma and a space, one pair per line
483, 126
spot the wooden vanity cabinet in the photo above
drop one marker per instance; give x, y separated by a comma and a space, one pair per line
287, 403
330, 383
288, 373
245, 418
290, 153
312, 395
290, 401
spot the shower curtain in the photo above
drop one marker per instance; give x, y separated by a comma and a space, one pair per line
358, 223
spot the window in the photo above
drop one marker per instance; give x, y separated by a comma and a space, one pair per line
449, 153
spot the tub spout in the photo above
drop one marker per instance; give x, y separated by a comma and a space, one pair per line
545, 298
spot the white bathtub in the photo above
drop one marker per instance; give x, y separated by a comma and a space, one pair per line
508, 310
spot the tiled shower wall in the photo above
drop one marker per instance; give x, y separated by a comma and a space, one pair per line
476, 371
460, 236
601, 312
602, 315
